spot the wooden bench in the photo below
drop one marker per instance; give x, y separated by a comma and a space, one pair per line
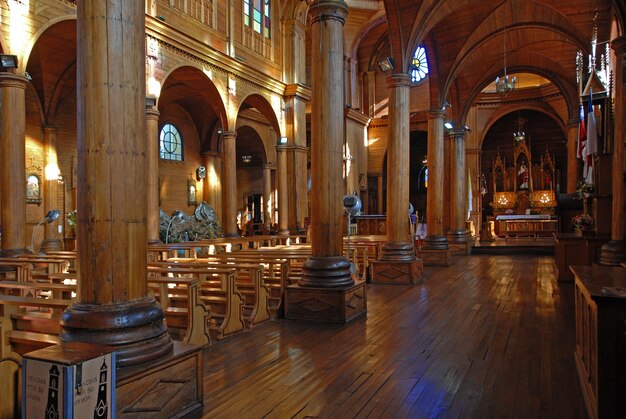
20, 341
17, 269
248, 282
217, 289
196, 316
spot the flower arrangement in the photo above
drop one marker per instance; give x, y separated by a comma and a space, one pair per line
584, 189
582, 222
72, 218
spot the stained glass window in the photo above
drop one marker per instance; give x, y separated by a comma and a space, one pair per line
419, 65
256, 13
170, 143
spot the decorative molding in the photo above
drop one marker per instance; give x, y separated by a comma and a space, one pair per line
195, 51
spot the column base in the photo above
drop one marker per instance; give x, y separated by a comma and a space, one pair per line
50, 245
436, 257
326, 272
613, 253
178, 375
460, 242
396, 272
135, 329
435, 242
331, 305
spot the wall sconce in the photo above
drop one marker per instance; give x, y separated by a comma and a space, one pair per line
386, 64
8, 61
282, 140
175, 215
448, 125
246, 159
50, 217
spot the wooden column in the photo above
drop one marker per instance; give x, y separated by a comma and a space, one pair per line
614, 252
371, 94
326, 284
283, 190
458, 232
397, 254
380, 186
267, 196
573, 164
13, 167
112, 306
229, 182
435, 240
212, 186
152, 173
51, 239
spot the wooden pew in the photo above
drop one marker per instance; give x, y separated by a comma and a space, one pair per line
248, 282
20, 341
274, 273
20, 270
224, 300
196, 314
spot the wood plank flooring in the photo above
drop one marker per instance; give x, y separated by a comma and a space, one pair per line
490, 337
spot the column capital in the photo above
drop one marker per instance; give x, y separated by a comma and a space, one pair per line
458, 134
269, 166
298, 90
214, 154
619, 45
152, 113
13, 80
398, 80
49, 129
229, 134
436, 114
327, 10
572, 123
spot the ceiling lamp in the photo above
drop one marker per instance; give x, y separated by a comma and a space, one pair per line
246, 159
505, 84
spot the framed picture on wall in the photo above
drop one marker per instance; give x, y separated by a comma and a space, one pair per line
33, 188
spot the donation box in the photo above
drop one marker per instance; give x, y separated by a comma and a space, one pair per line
69, 381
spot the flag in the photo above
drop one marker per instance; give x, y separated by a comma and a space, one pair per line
592, 132
582, 133
591, 145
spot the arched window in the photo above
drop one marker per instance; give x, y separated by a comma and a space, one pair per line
419, 65
170, 143
256, 13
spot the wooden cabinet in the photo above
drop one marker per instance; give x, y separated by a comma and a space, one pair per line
532, 228
371, 224
572, 249
600, 353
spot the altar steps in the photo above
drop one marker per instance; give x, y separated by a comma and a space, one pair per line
515, 246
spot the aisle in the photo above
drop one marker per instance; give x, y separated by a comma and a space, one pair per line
491, 336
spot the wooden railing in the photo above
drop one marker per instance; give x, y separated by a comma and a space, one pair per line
202, 11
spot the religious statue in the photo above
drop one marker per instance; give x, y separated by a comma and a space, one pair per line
522, 176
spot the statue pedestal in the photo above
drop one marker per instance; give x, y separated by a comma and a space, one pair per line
333, 305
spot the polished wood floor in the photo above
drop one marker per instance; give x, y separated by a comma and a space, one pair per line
490, 337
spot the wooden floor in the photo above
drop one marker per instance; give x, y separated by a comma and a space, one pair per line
490, 337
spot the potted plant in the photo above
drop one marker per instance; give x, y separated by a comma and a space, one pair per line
582, 222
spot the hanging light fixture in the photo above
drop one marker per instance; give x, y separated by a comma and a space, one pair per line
505, 84
246, 159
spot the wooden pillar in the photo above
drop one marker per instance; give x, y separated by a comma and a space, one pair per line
212, 186
152, 173
13, 167
51, 239
397, 253
371, 94
435, 240
614, 252
112, 306
296, 98
229, 182
267, 196
380, 186
326, 290
573, 164
283, 190
458, 231
399, 245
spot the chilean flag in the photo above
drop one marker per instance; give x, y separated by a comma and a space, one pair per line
582, 133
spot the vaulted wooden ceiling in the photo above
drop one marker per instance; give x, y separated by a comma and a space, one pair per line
466, 41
